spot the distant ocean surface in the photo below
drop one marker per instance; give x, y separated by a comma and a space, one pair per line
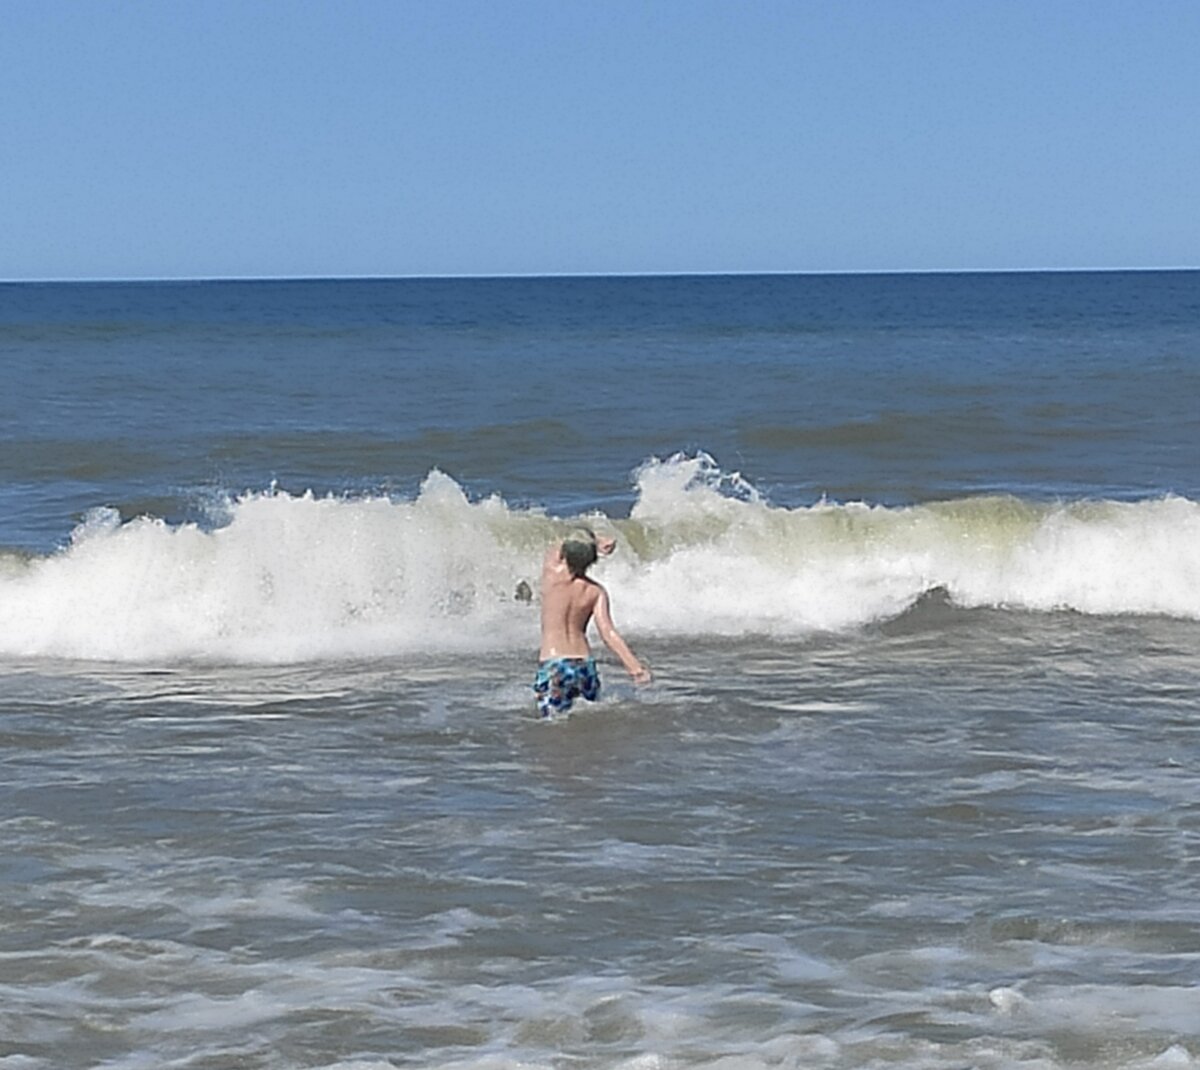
915, 560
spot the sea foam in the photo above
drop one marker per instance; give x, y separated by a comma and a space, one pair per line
281, 577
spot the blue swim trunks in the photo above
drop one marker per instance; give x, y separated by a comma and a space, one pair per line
560, 681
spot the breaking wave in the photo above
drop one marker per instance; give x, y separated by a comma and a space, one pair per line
278, 577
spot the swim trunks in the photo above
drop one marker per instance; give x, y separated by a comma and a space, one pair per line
560, 681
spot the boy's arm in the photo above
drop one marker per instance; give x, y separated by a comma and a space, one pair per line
614, 642
553, 557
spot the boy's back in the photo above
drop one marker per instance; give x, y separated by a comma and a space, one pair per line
568, 603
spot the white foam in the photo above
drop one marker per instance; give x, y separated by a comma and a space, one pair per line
738, 564
287, 578
1175, 1056
290, 578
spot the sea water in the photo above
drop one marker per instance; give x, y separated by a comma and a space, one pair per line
916, 563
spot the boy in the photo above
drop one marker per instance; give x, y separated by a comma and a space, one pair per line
570, 598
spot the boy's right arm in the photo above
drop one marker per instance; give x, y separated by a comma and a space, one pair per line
614, 642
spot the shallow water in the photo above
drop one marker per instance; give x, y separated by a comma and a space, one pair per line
956, 840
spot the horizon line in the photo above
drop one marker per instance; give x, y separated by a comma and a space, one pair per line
587, 275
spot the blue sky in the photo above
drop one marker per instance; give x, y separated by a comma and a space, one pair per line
184, 138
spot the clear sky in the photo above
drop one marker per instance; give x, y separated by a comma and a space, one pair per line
183, 138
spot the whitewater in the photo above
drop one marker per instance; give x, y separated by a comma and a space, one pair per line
275, 577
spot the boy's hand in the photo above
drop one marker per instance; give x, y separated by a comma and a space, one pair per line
605, 545
642, 676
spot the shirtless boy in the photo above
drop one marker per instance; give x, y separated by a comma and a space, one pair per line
570, 598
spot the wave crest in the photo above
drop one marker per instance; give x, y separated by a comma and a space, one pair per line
292, 577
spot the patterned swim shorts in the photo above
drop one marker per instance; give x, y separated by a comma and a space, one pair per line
560, 681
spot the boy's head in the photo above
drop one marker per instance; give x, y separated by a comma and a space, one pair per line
579, 551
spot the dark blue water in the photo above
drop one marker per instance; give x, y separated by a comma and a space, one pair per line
892, 389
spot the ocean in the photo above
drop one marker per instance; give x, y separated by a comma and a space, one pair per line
915, 560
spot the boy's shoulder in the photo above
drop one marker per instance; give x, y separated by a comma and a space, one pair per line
587, 588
